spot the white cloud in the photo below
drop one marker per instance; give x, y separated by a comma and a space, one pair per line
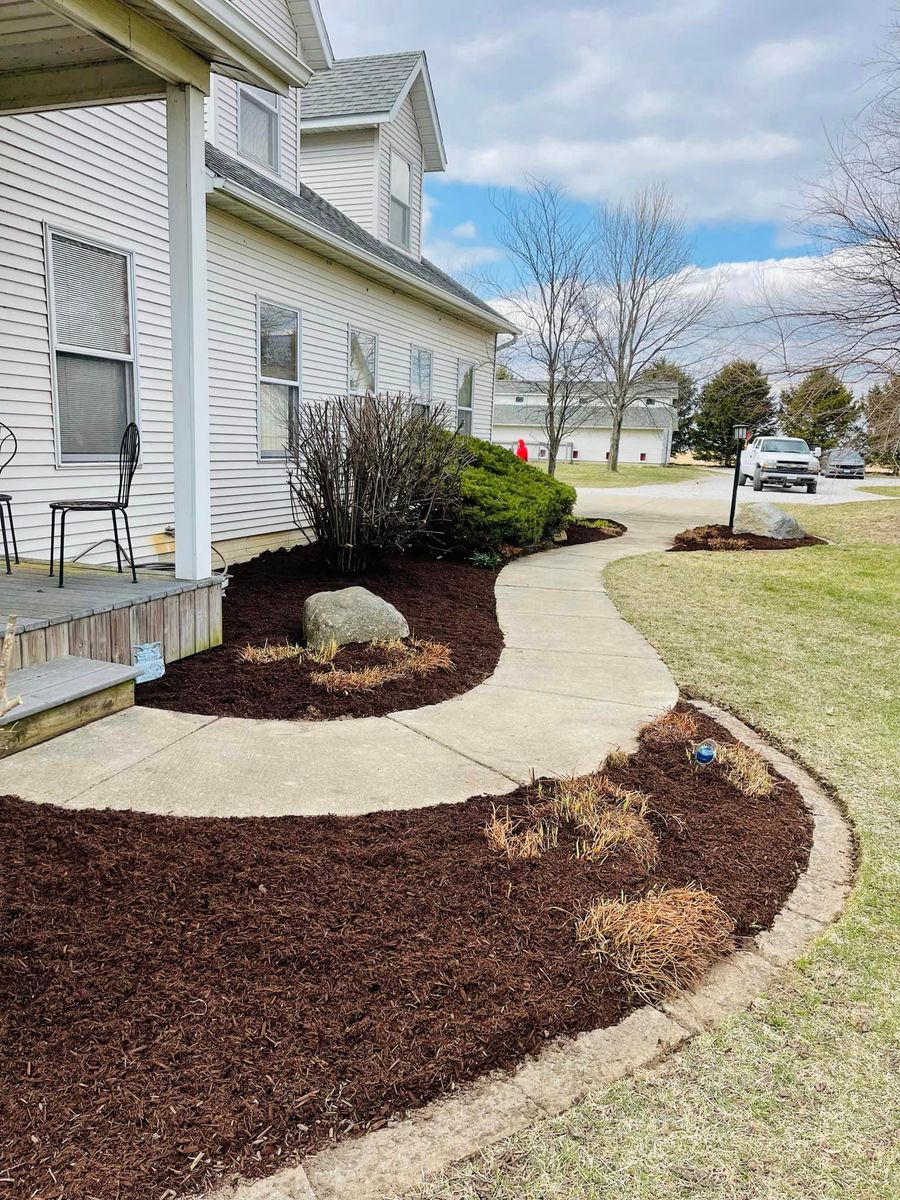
465, 230
457, 259
726, 101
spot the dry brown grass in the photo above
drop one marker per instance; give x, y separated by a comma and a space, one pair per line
323, 655
745, 769
608, 818
520, 840
271, 654
618, 758
663, 942
671, 729
400, 660
620, 829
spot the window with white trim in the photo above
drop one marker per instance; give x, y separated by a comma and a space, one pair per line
259, 125
279, 377
93, 345
421, 371
465, 394
363, 365
401, 192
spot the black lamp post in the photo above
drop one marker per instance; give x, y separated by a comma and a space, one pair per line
740, 436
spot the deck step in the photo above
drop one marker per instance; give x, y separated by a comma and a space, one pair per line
60, 695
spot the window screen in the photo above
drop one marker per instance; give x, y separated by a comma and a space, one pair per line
258, 125
464, 397
401, 183
420, 379
279, 378
363, 353
92, 339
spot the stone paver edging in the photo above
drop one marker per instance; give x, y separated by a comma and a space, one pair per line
399, 1157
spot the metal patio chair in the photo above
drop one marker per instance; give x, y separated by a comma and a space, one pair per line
129, 453
8, 448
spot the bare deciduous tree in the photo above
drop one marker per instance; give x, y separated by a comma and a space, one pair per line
646, 300
548, 255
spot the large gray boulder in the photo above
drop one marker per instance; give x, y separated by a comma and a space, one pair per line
767, 520
353, 614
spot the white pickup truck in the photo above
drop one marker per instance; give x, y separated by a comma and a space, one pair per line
779, 460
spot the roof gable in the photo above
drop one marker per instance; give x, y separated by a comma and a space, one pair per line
315, 45
370, 91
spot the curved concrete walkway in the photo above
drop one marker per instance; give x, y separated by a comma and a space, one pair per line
574, 681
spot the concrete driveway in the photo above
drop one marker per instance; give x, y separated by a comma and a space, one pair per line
706, 501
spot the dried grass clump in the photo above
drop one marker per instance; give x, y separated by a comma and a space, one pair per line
520, 840
618, 758
746, 770
580, 799
661, 943
671, 729
400, 660
271, 654
323, 655
620, 829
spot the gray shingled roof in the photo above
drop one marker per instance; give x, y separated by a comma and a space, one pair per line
311, 207
356, 86
637, 416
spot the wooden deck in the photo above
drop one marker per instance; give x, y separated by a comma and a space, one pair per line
101, 614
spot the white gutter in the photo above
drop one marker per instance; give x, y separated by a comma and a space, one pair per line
402, 280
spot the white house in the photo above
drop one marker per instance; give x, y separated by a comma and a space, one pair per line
207, 221
650, 420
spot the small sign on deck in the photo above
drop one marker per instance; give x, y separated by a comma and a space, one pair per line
149, 658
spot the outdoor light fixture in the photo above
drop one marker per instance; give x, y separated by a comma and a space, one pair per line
740, 437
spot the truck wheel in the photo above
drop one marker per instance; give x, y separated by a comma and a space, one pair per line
812, 488
743, 480
757, 481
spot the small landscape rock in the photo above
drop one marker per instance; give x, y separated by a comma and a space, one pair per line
767, 520
352, 614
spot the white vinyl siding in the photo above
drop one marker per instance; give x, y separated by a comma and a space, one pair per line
94, 358
401, 138
342, 168
362, 363
100, 173
280, 338
225, 128
272, 17
592, 444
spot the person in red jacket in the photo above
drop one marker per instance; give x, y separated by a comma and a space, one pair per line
522, 450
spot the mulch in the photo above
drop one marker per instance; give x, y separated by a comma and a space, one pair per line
720, 537
443, 600
183, 1001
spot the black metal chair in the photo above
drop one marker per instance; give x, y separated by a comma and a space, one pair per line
129, 453
8, 448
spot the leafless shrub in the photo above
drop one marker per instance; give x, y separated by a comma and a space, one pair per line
370, 474
663, 942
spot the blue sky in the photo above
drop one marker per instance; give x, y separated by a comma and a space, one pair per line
727, 101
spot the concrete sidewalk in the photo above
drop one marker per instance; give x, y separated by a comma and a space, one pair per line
574, 681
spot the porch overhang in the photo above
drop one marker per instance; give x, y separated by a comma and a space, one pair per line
72, 53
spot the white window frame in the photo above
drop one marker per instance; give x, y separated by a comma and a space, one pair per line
401, 245
269, 456
462, 366
420, 401
274, 107
112, 460
351, 329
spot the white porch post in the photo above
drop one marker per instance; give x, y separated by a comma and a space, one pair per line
190, 341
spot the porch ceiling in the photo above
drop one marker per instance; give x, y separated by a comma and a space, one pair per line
66, 53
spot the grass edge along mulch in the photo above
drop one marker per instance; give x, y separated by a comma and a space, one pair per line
185, 1001
721, 538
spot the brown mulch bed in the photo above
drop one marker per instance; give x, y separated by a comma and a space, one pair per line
720, 537
185, 1000
578, 535
443, 600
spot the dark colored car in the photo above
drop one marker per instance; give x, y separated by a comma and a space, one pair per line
843, 464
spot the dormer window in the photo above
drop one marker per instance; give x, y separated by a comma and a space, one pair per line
259, 119
401, 188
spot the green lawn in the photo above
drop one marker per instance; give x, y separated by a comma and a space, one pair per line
885, 490
798, 1099
597, 475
